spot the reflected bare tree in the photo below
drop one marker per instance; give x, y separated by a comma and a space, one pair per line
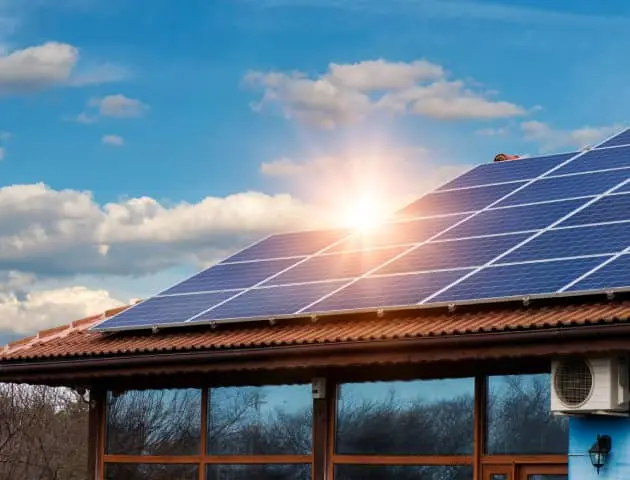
43, 433
257, 421
154, 422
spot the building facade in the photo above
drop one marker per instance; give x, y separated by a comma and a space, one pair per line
431, 395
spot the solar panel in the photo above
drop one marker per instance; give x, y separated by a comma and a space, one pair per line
501, 172
288, 245
622, 139
570, 186
471, 252
518, 280
598, 160
610, 276
457, 201
613, 208
550, 225
512, 219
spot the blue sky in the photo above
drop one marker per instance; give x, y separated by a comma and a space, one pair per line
143, 140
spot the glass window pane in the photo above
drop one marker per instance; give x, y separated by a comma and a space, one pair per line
423, 417
519, 420
269, 420
154, 471
258, 472
154, 422
403, 472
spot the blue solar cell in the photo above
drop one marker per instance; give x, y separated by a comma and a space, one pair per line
231, 276
498, 172
518, 280
398, 233
269, 302
612, 208
472, 252
622, 139
598, 160
336, 266
456, 201
513, 219
289, 245
557, 188
573, 242
616, 274
390, 291
164, 310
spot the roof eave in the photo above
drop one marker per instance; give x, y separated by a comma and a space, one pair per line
476, 346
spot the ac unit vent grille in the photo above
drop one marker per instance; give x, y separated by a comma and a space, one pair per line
573, 382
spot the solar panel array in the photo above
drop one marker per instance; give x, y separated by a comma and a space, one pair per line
551, 225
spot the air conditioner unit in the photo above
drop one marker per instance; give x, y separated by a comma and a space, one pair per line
597, 385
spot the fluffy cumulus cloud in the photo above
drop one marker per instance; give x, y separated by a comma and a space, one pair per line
550, 138
116, 105
347, 93
48, 65
25, 308
113, 140
65, 232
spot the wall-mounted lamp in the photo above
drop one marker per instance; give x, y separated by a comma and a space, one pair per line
599, 451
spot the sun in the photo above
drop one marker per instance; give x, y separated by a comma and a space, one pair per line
364, 213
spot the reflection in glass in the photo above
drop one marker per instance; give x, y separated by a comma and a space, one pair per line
548, 476
270, 420
423, 417
519, 420
403, 472
258, 472
153, 471
154, 422
499, 476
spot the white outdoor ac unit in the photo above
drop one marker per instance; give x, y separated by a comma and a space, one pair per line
597, 385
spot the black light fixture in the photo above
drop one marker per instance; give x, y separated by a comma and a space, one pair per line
599, 451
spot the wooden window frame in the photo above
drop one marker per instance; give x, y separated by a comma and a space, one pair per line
201, 460
322, 457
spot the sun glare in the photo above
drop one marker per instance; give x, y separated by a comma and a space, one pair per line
364, 213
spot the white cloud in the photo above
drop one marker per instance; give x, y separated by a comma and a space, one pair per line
378, 74
5, 135
2, 153
65, 232
118, 106
114, 140
43, 66
25, 308
492, 132
347, 93
550, 138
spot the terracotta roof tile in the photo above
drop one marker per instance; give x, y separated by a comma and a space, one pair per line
75, 340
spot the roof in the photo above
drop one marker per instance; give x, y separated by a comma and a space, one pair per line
75, 340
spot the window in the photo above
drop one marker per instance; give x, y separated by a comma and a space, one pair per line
262, 433
423, 417
403, 472
154, 471
154, 422
271, 420
258, 472
519, 421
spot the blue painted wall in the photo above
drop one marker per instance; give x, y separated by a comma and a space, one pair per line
582, 434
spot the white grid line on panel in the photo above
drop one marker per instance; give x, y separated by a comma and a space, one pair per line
487, 207
595, 269
401, 274
271, 277
527, 240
